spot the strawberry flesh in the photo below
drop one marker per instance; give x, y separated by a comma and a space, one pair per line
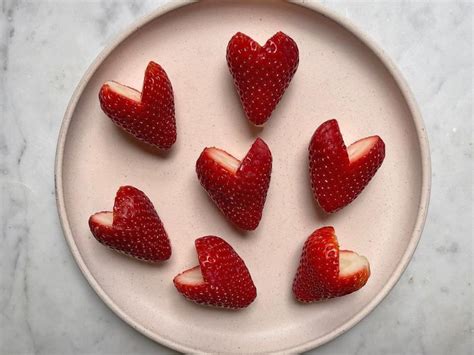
150, 115
338, 175
221, 279
261, 74
238, 188
325, 272
133, 228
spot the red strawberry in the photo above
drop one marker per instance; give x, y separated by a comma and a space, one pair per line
221, 279
239, 188
338, 175
149, 115
325, 272
261, 74
133, 228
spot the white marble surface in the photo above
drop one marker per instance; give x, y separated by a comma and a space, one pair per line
46, 305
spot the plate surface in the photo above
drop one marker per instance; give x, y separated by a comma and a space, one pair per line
340, 76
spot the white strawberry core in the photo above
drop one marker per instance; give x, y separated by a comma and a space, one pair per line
191, 277
104, 218
361, 147
125, 91
351, 263
224, 159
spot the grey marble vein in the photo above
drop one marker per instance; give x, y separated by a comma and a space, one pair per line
428, 312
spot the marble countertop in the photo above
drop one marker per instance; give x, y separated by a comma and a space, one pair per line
47, 307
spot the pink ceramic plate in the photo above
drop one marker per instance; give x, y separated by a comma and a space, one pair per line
341, 75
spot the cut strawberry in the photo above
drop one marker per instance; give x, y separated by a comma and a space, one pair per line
148, 116
221, 279
338, 175
325, 272
261, 74
239, 188
133, 227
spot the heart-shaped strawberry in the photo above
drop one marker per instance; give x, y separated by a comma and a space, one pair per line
338, 175
239, 188
149, 115
133, 227
261, 74
221, 279
327, 272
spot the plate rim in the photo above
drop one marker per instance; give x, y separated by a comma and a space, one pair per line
407, 96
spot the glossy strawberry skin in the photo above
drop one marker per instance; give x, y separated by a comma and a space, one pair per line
240, 196
226, 282
335, 180
261, 74
317, 277
136, 230
150, 119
